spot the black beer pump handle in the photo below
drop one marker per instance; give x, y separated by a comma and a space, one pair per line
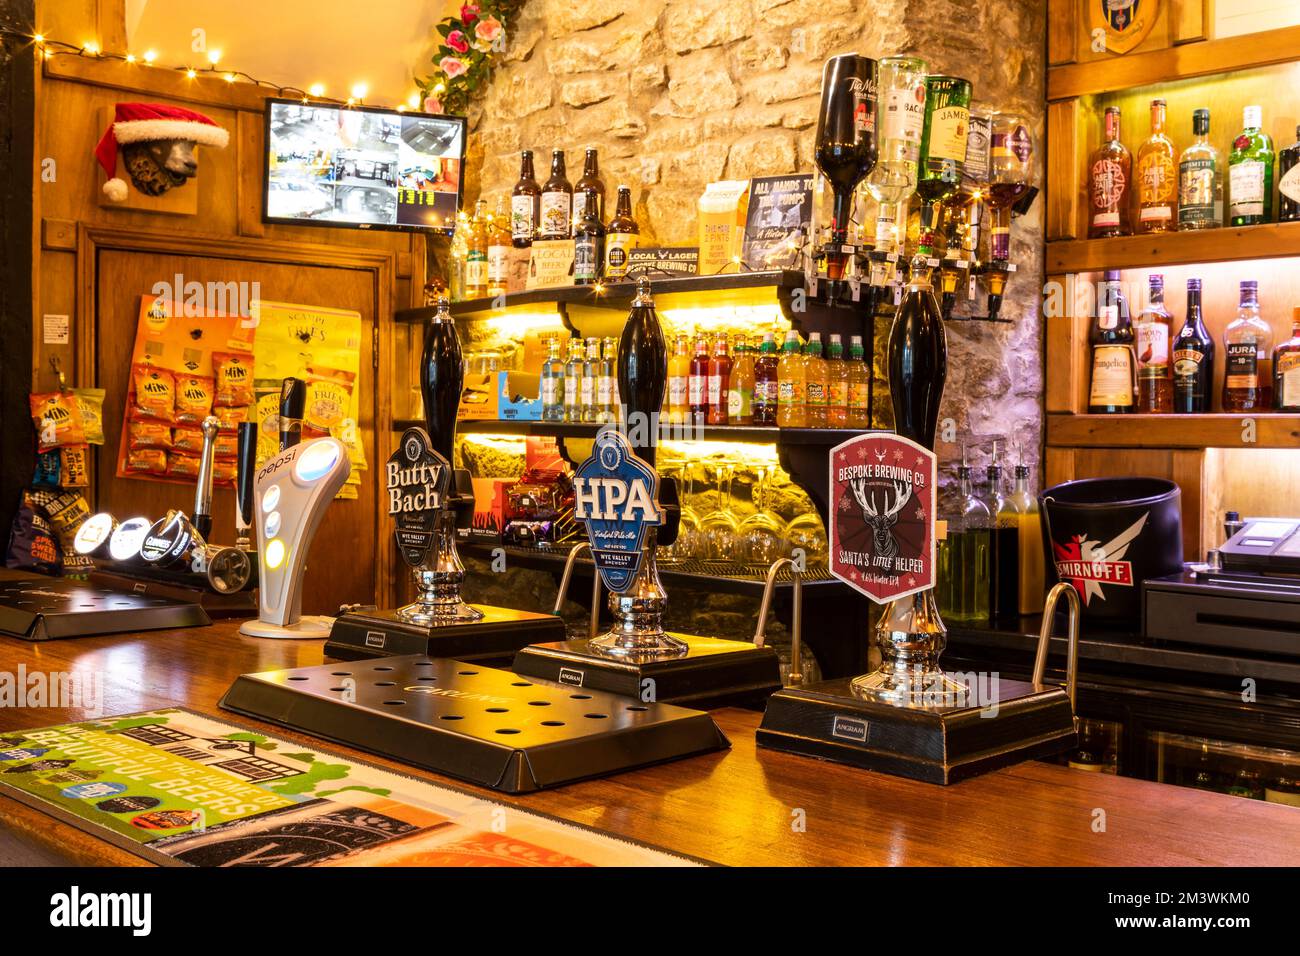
293, 397
442, 379
246, 465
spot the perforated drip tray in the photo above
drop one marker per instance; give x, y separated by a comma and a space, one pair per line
39, 608
488, 726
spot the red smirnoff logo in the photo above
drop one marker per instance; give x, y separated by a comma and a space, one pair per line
1089, 565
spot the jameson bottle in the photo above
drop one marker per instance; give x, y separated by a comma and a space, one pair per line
1157, 186
918, 359
620, 236
1286, 369
442, 376
1155, 386
642, 367
1248, 356
1109, 179
1200, 179
943, 150
557, 201
1114, 360
1193, 358
525, 204
1250, 172
589, 191
1288, 182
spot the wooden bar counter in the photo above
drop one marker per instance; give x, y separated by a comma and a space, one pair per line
741, 807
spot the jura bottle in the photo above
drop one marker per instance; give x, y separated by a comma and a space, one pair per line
1250, 172
620, 236
1114, 360
1200, 179
1155, 384
525, 204
442, 377
1193, 357
557, 201
589, 191
1110, 173
1248, 356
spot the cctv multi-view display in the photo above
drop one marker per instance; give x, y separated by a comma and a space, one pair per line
368, 168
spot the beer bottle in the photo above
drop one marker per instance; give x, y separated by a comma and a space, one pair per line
476, 255
1114, 358
557, 201
620, 236
498, 251
525, 204
588, 247
589, 191
1193, 357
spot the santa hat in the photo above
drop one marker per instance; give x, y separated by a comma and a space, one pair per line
147, 122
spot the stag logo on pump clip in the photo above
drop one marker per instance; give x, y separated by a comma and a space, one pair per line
882, 504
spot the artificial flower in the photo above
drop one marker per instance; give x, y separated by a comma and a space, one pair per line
469, 13
457, 41
452, 66
432, 105
488, 29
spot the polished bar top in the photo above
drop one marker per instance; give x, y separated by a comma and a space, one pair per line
745, 806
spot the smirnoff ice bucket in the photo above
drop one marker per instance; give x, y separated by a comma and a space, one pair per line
1105, 536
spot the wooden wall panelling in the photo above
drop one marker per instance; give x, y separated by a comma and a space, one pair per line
1066, 159
1063, 351
1062, 30
1189, 21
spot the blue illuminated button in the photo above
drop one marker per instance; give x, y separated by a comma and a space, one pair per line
315, 463
270, 498
273, 523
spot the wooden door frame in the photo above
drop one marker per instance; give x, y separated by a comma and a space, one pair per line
92, 240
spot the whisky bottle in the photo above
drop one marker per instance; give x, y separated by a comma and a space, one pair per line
1114, 361
1157, 182
1288, 182
1200, 179
1286, 369
1155, 387
1109, 173
1193, 357
1248, 356
1250, 172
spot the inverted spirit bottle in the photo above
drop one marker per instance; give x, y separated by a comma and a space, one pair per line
1157, 181
1155, 385
1248, 356
1114, 361
1011, 159
902, 120
1250, 172
918, 359
845, 146
1110, 171
1193, 358
943, 150
1200, 179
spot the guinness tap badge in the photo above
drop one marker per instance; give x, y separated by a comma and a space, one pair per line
417, 478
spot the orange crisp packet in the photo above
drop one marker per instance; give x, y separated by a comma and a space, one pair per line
234, 378
155, 394
193, 399
57, 419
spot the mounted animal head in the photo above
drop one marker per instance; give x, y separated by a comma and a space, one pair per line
159, 165
157, 143
883, 516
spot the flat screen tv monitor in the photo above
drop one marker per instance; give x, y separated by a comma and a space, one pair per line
362, 167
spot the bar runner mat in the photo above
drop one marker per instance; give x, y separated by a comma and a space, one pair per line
180, 788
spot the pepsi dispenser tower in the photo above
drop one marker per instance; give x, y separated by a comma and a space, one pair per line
628, 511
428, 500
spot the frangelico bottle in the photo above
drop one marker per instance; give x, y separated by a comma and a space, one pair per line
589, 191
918, 359
620, 236
642, 367
1192, 352
557, 201
1114, 356
525, 204
442, 375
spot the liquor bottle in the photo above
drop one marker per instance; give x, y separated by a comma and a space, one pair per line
943, 150
859, 386
525, 204
975, 173
589, 191
498, 251
1030, 538
679, 377
1011, 158
588, 247
719, 381
573, 367
993, 496
698, 386
620, 236
791, 385
1110, 170
1004, 545
845, 149
1193, 357
1250, 172
902, 119
918, 359
557, 201
1200, 179
442, 376
740, 396
605, 404
815, 381
1248, 356
837, 385
1286, 369
590, 379
458, 253
1288, 182
969, 545
1155, 386
476, 254
765, 382
642, 365
553, 383
1157, 187
1114, 360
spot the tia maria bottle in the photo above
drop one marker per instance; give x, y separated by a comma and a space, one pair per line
442, 376
846, 139
918, 359
642, 368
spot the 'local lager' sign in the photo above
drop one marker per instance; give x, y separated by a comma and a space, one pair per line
614, 495
882, 503
416, 477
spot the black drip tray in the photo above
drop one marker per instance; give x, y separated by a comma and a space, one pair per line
480, 724
38, 608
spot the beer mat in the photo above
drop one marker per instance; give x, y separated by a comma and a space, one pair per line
180, 788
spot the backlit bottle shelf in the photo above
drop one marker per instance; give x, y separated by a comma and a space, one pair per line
758, 434
1217, 430
1268, 241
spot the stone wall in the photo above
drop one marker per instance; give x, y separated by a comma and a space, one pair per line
676, 94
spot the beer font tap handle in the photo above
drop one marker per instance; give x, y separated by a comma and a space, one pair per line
293, 397
246, 464
202, 517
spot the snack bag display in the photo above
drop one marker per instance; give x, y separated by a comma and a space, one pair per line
193, 399
147, 461
142, 435
234, 373
230, 416
154, 395
57, 420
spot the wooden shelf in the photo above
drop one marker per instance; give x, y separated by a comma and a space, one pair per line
1175, 63
1219, 430
758, 434
1272, 240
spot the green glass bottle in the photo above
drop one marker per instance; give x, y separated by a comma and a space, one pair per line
943, 150
1250, 172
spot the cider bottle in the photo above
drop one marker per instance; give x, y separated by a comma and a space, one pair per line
679, 377
719, 381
